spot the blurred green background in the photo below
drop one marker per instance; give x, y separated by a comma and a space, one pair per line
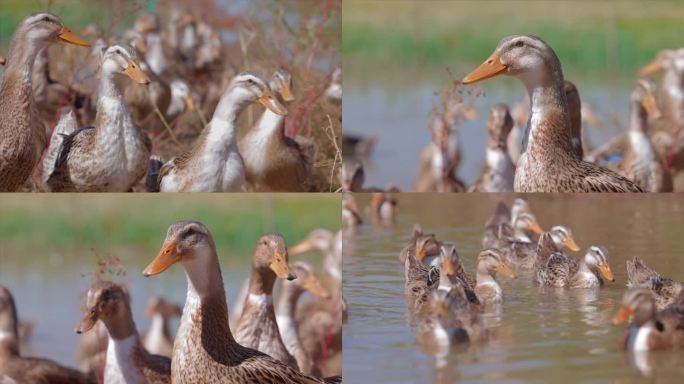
64, 228
604, 37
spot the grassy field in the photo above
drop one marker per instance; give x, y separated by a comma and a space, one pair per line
601, 37
36, 229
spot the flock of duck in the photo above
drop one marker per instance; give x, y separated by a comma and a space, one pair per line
290, 343
542, 148
449, 304
94, 135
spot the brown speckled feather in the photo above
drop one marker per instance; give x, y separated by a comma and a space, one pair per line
667, 291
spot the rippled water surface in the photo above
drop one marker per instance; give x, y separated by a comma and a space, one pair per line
541, 335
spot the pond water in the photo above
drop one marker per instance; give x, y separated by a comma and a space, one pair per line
397, 116
540, 335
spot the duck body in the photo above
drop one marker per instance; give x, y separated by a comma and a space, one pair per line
113, 155
665, 290
562, 271
499, 171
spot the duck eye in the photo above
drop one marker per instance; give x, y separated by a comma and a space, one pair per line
250, 81
264, 242
519, 43
46, 19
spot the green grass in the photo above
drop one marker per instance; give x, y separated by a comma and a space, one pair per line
602, 37
70, 225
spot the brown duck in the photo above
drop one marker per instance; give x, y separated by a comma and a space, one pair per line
548, 162
665, 290
22, 133
205, 350
127, 361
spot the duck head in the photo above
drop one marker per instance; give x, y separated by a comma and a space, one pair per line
638, 305
519, 205
181, 90
352, 175
490, 261
188, 242
251, 88
562, 236
526, 221
281, 84
597, 258
123, 59
105, 301
271, 254
319, 240
307, 280
45, 28
8, 321
526, 57
667, 59
499, 125
448, 259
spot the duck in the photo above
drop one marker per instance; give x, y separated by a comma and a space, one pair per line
432, 246
548, 163
257, 327
350, 212
286, 307
383, 207
2, 60
419, 281
440, 158
23, 132
91, 354
489, 262
575, 112
158, 340
450, 271
502, 221
205, 349
127, 361
640, 161
649, 329
671, 63
214, 164
29, 370
49, 95
273, 161
524, 222
524, 254
110, 156
499, 170
665, 290
357, 145
556, 269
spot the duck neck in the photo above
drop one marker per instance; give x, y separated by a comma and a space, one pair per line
261, 281
160, 326
112, 113
221, 128
270, 125
287, 299
21, 56
547, 100
639, 141
206, 299
9, 339
122, 325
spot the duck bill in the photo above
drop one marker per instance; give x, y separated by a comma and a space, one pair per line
490, 68
66, 36
87, 323
136, 74
606, 271
273, 105
651, 106
314, 286
280, 268
536, 228
653, 67
301, 247
286, 91
504, 270
2, 60
570, 244
449, 266
167, 257
623, 315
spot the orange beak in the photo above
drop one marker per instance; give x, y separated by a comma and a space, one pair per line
65, 35
504, 270
651, 68
490, 68
286, 91
301, 247
536, 228
623, 315
280, 267
270, 102
651, 106
606, 271
420, 253
2, 60
570, 244
135, 73
167, 257
87, 323
448, 266
313, 285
